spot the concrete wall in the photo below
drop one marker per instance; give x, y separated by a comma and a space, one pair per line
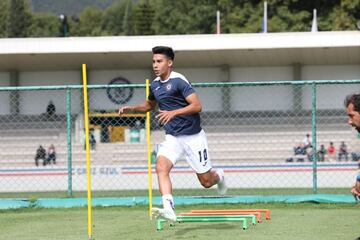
4, 96
261, 98
35, 102
330, 96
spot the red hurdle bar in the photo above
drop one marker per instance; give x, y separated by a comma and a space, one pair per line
238, 211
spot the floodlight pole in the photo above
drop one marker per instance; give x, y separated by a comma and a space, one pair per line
64, 23
218, 30
265, 18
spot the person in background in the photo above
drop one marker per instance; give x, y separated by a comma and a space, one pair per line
50, 110
300, 152
331, 152
51, 155
343, 152
307, 141
40, 154
179, 108
321, 153
352, 104
92, 140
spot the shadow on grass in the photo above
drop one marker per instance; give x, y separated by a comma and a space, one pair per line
204, 227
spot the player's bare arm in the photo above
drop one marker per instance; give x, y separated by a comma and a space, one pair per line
194, 107
142, 108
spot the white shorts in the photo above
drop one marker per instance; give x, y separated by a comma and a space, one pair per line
193, 147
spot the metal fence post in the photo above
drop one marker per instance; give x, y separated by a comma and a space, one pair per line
68, 130
313, 133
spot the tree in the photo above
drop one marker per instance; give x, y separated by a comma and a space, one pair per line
3, 18
90, 23
244, 17
204, 18
286, 20
127, 20
44, 25
171, 17
184, 17
118, 18
144, 16
345, 15
19, 18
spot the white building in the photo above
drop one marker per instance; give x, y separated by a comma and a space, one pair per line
201, 58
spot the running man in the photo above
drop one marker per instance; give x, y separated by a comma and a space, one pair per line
179, 108
352, 104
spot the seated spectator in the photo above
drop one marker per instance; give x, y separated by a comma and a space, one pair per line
331, 152
321, 153
51, 154
40, 154
300, 152
300, 149
310, 153
355, 156
343, 152
307, 141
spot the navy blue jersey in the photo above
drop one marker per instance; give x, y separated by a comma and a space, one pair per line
170, 95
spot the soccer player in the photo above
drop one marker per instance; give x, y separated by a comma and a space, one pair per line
352, 104
179, 108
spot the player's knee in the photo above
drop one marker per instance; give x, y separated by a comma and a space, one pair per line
159, 168
162, 169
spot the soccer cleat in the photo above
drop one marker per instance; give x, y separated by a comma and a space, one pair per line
166, 213
357, 198
221, 185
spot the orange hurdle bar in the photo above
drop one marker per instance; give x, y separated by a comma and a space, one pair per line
257, 214
266, 211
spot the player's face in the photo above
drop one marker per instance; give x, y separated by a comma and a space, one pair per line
354, 117
162, 66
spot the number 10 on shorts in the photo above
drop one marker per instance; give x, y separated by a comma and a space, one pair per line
203, 155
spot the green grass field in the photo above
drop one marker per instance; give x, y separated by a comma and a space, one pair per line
289, 221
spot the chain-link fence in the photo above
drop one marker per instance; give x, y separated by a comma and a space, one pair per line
257, 132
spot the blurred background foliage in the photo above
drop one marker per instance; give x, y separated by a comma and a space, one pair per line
41, 18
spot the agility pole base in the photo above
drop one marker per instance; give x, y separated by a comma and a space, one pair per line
228, 215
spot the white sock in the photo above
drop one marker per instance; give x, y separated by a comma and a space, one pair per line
220, 173
168, 201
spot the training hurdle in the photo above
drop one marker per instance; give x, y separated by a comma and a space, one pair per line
219, 218
227, 215
257, 214
238, 211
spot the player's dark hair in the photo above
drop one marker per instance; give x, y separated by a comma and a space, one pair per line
354, 99
167, 51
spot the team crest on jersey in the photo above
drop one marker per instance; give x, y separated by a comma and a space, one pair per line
168, 87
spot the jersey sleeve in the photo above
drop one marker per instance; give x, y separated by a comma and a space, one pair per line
151, 96
185, 88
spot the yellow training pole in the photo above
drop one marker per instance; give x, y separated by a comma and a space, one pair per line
88, 170
148, 139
